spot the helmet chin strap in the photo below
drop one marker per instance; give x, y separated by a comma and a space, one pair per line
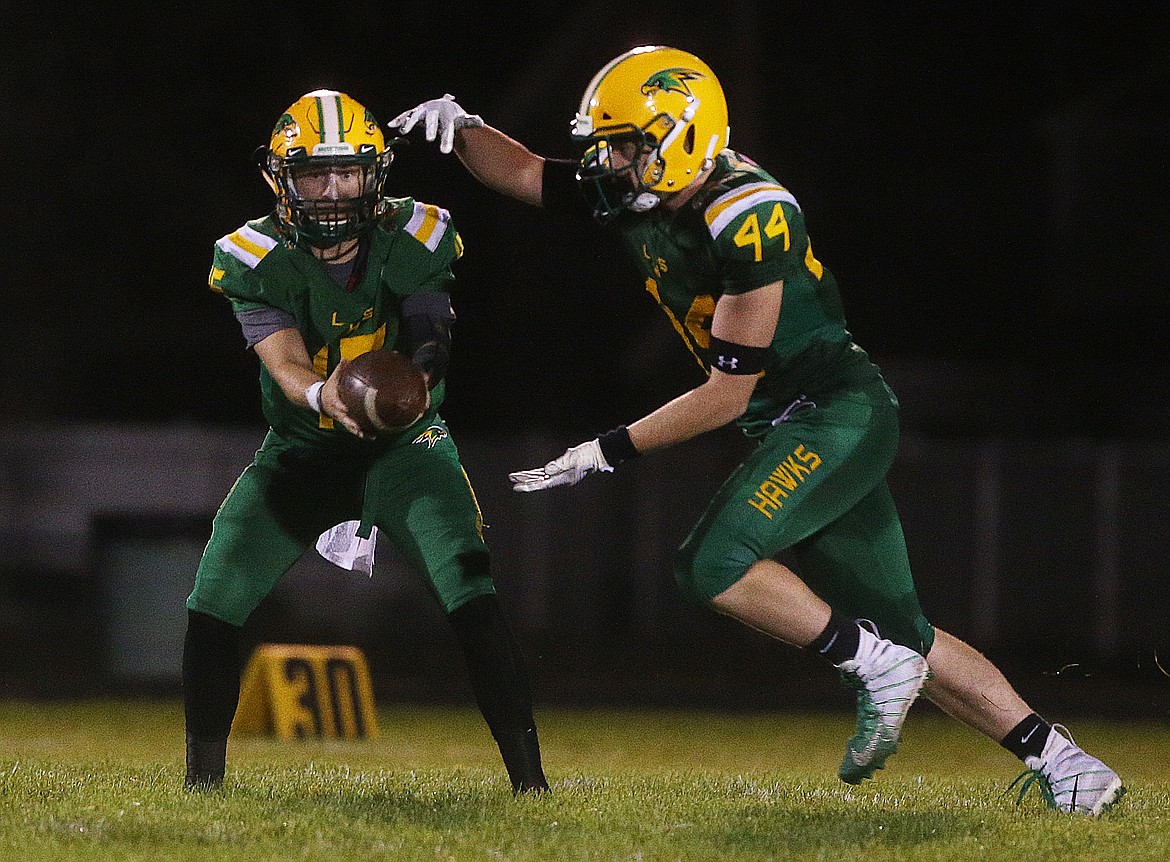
338, 253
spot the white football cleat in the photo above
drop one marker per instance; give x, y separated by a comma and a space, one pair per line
1069, 779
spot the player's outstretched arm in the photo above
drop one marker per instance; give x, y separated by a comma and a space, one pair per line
499, 162
741, 330
287, 360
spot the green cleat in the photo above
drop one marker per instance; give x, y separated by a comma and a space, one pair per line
887, 677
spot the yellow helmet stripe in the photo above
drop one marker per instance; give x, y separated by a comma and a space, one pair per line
428, 224
247, 245
726, 207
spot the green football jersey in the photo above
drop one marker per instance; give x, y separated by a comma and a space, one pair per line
411, 250
741, 231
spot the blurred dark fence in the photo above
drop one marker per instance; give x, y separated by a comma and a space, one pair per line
1048, 555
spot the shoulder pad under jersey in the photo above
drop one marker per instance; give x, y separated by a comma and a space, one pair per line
427, 223
726, 208
243, 248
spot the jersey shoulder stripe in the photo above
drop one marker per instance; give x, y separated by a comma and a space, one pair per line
428, 224
247, 245
723, 210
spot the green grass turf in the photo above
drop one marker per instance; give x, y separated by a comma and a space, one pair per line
101, 781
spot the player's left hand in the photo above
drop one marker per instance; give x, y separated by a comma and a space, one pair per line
569, 469
441, 118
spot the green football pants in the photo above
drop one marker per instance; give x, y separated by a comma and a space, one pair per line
414, 489
814, 491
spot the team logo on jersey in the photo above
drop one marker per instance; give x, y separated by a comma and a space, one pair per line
670, 81
431, 436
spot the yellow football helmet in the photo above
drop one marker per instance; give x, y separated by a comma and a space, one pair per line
671, 105
326, 162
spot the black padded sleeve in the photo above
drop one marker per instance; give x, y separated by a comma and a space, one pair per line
559, 191
426, 322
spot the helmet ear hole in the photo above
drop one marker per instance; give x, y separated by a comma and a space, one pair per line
689, 140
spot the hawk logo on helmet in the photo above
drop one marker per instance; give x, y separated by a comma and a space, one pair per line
431, 436
287, 127
671, 81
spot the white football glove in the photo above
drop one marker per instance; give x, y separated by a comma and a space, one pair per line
577, 463
441, 117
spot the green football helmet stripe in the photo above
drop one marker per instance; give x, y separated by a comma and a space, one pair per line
329, 116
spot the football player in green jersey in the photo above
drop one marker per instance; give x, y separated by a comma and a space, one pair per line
722, 247
337, 270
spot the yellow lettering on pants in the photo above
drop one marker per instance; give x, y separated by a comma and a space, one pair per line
787, 476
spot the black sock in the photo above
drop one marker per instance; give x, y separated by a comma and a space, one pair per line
839, 641
500, 682
211, 675
1027, 738
211, 692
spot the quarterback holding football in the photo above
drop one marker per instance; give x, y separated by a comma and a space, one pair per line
335, 271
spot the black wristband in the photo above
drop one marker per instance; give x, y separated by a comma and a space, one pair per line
617, 446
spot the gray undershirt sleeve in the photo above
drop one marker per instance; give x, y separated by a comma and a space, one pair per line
259, 323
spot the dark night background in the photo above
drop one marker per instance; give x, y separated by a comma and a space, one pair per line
986, 181
986, 184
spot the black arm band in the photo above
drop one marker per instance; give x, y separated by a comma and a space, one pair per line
732, 358
617, 446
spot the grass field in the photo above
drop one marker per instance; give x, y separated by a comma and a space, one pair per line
101, 781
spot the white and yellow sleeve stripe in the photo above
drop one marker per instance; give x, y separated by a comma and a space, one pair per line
428, 224
723, 210
247, 245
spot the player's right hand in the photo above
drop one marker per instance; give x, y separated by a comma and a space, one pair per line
569, 469
441, 118
333, 407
